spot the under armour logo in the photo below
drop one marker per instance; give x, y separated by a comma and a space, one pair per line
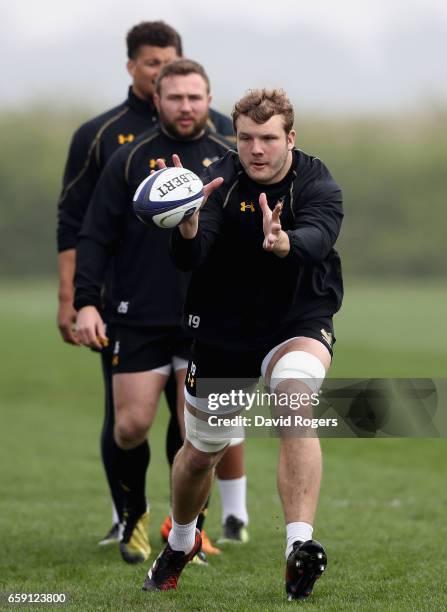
250, 206
122, 138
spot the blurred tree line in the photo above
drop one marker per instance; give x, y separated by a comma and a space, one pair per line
391, 170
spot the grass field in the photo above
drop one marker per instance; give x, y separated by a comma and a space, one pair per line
383, 503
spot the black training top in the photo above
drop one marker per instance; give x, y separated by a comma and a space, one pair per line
92, 146
145, 287
240, 296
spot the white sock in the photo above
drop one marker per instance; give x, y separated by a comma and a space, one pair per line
233, 498
182, 537
297, 531
115, 517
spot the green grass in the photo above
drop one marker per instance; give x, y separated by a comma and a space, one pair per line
383, 502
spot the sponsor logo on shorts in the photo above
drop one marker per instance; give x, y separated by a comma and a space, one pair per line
190, 379
116, 350
327, 336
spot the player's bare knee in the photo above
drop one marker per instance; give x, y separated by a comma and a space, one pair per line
197, 461
301, 397
130, 432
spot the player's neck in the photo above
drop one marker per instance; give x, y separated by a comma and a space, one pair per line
140, 95
173, 136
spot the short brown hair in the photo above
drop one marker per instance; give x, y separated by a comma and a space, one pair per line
181, 67
155, 34
261, 104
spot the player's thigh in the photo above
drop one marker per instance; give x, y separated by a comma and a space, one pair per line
141, 365
215, 375
314, 337
136, 395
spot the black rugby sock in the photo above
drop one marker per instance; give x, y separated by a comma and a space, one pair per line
108, 444
173, 438
132, 466
202, 515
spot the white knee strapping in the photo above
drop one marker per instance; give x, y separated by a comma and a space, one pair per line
236, 441
299, 365
205, 437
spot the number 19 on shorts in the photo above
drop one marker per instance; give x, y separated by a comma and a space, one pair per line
193, 321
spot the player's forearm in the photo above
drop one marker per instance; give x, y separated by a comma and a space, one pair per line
66, 267
310, 244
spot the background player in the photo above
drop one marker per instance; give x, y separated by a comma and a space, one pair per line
147, 290
150, 46
286, 277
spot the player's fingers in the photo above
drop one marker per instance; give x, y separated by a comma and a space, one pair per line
87, 335
277, 212
67, 336
161, 164
92, 340
276, 227
176, 161
101, 334
264, 205
67, 333
83, 337
71, 338
215, 183
267, 245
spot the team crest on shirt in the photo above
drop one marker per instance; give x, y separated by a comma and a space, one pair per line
247, 206
327, 336
209, 160
123, 138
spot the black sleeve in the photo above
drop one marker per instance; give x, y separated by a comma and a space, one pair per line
80, 178
318, 215
100, 232
189, 254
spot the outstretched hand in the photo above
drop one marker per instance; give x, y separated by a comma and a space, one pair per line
189, 227
271, 223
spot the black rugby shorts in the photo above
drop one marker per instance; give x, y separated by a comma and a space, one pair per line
222, 370
141, 349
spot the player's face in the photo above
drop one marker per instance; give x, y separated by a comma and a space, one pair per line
183, 105
265, 150
145, 68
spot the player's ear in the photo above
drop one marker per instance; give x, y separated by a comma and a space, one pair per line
291, 139
131, 67
156, 99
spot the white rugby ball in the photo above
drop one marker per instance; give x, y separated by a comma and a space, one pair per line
168, 197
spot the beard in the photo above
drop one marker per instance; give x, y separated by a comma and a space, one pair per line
272, 173
173, 129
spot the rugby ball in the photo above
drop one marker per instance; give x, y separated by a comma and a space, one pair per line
168, 197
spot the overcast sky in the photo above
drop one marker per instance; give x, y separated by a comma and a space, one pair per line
329, 55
